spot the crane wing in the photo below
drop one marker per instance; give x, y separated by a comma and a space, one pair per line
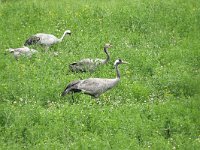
47, 39
96, 86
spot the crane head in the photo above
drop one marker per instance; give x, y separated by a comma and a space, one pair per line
119, 61
107, 45
11, 50
68, 32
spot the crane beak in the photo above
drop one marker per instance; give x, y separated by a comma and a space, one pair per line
124, 62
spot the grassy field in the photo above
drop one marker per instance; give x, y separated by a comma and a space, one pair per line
156, 105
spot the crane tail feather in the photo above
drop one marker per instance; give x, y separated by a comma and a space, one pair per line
32, 40
70, 87
66, 91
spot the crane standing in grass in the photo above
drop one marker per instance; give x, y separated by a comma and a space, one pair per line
90, 64
94, 86
45, 39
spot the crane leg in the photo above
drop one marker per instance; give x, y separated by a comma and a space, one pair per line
46, 48
72, 97
98, 101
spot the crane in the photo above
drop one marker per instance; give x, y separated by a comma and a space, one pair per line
90, 64
25, 51
94, 86
45, 39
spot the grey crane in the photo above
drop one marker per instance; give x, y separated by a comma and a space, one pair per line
90, 64
45, 39
23, 51
94, 86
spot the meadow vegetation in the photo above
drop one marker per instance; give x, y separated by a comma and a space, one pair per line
156, 104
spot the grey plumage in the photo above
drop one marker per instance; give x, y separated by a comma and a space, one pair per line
94, 86
45, 39
23, 51
90, 64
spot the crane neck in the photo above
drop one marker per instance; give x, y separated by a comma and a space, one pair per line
117, 71
60, 40
107, 54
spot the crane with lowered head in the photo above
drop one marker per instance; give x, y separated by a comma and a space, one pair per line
22, 51
90, 64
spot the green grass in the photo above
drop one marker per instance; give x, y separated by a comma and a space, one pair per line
156, 104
